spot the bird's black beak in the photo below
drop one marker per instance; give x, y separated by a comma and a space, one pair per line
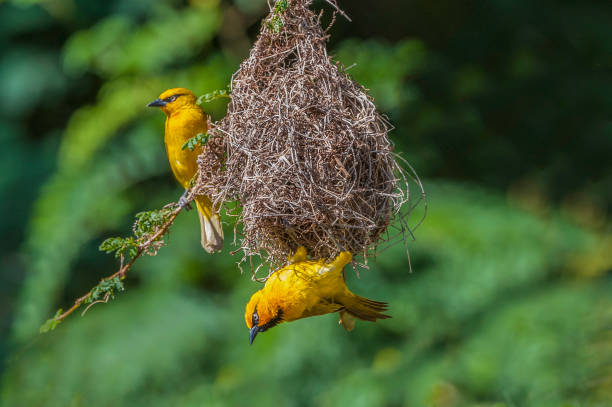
157, 103
253, 333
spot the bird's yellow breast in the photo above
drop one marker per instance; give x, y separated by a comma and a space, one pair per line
180, 127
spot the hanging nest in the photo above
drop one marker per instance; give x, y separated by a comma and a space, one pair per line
307, 154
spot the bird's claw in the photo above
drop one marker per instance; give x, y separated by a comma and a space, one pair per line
300, 255
184, 203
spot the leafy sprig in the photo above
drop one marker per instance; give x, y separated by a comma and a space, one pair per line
51, 323
121, 246
214, 95
281, 6
148, 222
149, 230
275, 24
106, 288
200, 139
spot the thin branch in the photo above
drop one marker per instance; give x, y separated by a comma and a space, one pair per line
121, 273
338, 9
107, 297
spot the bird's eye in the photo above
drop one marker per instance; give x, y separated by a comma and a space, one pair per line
255, 318
171, 98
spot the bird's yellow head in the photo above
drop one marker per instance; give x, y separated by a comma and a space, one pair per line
174, 99
261, 315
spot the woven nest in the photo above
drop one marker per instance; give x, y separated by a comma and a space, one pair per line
307, 154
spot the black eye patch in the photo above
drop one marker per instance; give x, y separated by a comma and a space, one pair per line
172, 98
278, 318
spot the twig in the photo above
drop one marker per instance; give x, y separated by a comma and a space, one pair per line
338, 9
124, 268
107, 297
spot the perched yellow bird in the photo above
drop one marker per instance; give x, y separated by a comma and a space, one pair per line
307, 288
184, 120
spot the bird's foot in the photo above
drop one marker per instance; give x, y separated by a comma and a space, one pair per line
338, 263
347, 321
299, 255
183, 202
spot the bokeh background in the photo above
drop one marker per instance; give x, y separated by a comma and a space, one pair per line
503, 108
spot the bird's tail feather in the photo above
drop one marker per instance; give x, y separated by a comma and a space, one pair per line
365, 309
211, 230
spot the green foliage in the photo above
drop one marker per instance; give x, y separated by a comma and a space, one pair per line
121, 246
275, 24
106, 288
119, 46
200, 139
104, 291
63, 219
147, 231
51, 323
386, 69
214, 95
280, 6
149, 222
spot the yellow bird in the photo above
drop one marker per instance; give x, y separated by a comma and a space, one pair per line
184, 120
307, 288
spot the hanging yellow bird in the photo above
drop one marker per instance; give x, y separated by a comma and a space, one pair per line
184, 120
307, 288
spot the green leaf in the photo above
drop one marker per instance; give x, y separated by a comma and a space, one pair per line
147, 222
51, 323
276, 22
275, 25
280, 6
119, 245
111, 244
214, 95
200, 139
109, 286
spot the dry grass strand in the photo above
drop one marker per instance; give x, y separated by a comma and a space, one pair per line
307, 154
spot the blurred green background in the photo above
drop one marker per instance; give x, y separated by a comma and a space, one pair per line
503, 108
